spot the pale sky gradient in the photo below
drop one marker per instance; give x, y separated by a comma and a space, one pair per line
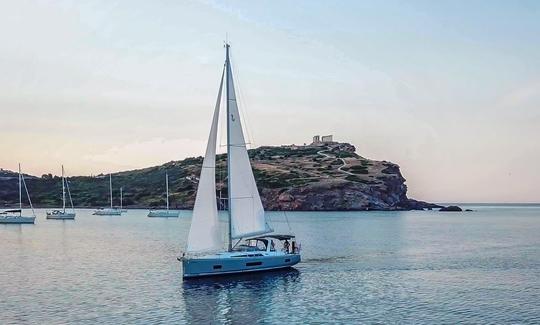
449, 90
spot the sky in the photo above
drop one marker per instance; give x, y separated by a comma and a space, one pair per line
449, 90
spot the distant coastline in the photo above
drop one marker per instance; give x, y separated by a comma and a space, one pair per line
321, 176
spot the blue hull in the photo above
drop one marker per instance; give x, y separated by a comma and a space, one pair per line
199, 267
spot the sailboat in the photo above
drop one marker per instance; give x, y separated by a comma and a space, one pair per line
164, 213
63, 214
255, 246
16, 216
108, 211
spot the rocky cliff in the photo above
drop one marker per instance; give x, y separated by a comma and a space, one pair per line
326, 177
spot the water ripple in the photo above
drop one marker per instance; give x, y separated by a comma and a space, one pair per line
401, 267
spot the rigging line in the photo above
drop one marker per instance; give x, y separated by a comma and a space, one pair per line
243, 112
222, 116
267, 219
238, 242
287, 219
69, 194
242, 101
28, 195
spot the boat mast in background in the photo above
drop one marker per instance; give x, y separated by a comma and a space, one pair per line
63, 191
62, 214
165, 213
20, 188
110, 188
167, 188
109, 211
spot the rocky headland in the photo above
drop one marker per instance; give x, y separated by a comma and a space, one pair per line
322, 177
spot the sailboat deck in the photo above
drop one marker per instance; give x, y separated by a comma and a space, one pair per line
16, 219
238, 254
237, 262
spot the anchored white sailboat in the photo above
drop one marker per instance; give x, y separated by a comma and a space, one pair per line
16, 216
164, 213
63, 214
109, 211
255, 247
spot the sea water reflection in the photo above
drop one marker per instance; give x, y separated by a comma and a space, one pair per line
238, 299
361, 267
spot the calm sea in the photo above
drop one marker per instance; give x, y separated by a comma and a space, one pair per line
362, 267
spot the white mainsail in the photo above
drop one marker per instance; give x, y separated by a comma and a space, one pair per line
247, 212
204, 233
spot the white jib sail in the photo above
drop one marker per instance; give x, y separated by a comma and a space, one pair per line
204, 233
247, 212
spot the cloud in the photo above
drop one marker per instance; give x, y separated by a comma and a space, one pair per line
526, 95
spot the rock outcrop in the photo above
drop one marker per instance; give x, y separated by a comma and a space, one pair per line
451, 208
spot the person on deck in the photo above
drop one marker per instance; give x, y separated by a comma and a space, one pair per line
286, 246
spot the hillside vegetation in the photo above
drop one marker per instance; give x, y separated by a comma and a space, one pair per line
326, 177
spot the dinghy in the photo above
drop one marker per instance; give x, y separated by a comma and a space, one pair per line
63, 214
15, 216
164, 213
108, 211
252, 246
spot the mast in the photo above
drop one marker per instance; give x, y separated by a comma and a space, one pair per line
110, 187
63, 191
69, 195
167, 187
121, 198
27, 194
229, 200
20, 189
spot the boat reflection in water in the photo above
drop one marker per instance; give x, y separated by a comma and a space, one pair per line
224, 300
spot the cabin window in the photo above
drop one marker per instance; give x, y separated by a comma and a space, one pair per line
253, 263
217, 267
287, 260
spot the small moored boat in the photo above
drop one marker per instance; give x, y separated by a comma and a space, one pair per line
112, 211
15, 216
164, 213
63, 214
107, 212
